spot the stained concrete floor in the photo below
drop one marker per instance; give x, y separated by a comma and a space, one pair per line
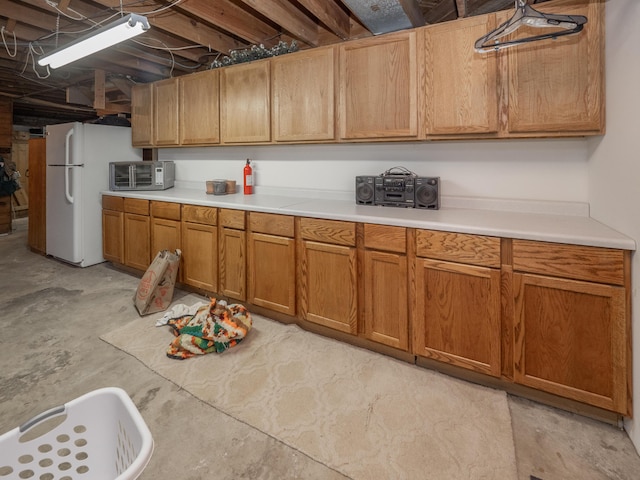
51, 317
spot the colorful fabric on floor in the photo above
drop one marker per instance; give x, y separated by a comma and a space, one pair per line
211, 328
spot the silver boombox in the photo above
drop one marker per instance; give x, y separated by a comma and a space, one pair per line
404, 189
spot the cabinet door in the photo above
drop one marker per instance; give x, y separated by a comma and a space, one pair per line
165, 235
200, 255
245, 106
199, 118
378, 87
142, 115
570, 339
137, 241
458, 315
272, 267
460, 85
558, 86
329, 285
232, 267
385, 303
303, 95
113, 236
165, 110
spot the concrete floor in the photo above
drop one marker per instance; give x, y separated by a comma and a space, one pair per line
52, 316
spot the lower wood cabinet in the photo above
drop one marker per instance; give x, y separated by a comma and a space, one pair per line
200, 247
271, 263
113, 229
328, 274
457, 302
137, 224
385, 318
571, 335
547, 316
233, 254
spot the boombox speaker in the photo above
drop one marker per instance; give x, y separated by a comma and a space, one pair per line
427, 192
365, 190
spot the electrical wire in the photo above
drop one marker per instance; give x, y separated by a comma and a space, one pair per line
15, 43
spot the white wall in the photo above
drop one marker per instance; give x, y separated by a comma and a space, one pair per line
521, 169
614, 160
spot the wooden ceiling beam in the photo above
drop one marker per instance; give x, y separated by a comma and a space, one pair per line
189, 28
330, 14
231, 18
461, 6
288, 17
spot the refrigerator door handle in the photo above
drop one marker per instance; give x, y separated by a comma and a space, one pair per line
67, 170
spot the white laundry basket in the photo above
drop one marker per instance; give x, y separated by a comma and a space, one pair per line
98, 436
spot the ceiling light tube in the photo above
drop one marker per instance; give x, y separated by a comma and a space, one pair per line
119, 31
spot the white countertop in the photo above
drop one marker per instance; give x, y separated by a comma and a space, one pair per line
573, 229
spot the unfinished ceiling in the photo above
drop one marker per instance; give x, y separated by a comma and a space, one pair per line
185, 36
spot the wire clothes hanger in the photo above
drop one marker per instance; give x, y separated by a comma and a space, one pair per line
526, 15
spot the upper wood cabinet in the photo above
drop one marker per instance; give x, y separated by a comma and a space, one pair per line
303, 95
165, 112
142, 115
245, 106
458, 86
378, 88
199, 108
558, 85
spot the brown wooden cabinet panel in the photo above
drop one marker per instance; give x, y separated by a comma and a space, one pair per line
459, 86
168, 210
199, 116
137, 240
328, 231
459, 247
281, 225
165, 112
165, 235
272, 272
245, 106
386, 315
303, 95
385, 238
378, 87
595, 264
197, 214
136, 205
457, 315
142, 115
571, 340
558, 86
37, 232
113, 235
200, 255
232, 266
329, 285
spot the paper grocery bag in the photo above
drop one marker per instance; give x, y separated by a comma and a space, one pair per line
155, 290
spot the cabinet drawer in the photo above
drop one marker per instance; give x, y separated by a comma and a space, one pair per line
595, 264
271, 224
232, 219
196, 214
168, 210
328, 231
459, 247
113, 203
385, 238
136, 205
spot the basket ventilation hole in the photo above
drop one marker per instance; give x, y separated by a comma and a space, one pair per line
47, 476
64, 452
66, 478
4, 471
45, 447
79, 429
63, 438
64, 466
81, 442
82, 469
26, 474
81, 456
24, 459
45, 462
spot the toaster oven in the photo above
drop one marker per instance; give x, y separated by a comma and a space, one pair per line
141, 175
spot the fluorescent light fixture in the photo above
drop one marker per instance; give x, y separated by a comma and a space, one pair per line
119, 31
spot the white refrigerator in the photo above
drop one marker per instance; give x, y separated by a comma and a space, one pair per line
78, 156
